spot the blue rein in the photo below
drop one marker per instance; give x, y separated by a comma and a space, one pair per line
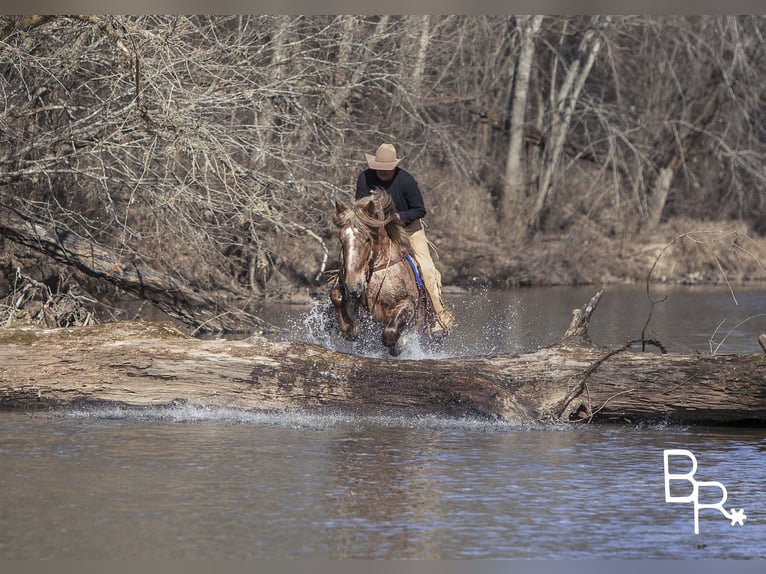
418, 280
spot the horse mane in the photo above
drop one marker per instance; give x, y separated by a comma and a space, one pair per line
384, 217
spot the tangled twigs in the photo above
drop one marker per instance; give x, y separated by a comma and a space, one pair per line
31, 300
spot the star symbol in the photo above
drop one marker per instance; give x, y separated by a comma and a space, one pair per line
738, 517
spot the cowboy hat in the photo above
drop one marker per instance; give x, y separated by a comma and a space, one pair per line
384, 158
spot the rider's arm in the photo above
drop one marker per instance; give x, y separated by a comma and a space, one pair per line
362, 187
416, 208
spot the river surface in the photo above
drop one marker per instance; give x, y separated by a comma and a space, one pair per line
192, 483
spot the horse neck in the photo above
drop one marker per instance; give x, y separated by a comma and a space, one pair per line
386, 250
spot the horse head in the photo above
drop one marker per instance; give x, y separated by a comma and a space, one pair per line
358, 243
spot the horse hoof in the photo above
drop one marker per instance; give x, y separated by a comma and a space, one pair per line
394, 351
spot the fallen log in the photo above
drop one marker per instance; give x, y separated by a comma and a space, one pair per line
153, 364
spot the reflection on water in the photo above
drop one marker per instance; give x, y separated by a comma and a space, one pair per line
184, 483
190, 482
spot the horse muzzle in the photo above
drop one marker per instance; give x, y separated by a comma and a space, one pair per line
357, 288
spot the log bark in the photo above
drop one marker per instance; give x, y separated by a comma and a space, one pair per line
173, 296
147, 364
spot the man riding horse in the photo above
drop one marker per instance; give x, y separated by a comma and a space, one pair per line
384, 172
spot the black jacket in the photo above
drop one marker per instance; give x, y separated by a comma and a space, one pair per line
403, 188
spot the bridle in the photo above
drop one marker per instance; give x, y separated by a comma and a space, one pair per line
383, 266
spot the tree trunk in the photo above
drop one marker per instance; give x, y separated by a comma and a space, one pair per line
139, 365
420, 60
173, 296
701, 117
568, 95
515, 180
659, 195
353, 61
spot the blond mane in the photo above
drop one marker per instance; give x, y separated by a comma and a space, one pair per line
383, 218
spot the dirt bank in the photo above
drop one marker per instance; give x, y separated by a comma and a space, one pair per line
680, 251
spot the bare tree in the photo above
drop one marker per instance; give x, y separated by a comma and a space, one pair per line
199, 123
681, 140
514, 193
211, 148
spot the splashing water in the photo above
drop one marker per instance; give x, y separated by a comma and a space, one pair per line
186, 413
480, 330
319, 326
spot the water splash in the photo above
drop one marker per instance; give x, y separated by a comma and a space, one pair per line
480, 330
319, 326
193, 413
295, 419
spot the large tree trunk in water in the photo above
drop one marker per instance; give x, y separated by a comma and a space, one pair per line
139, 365
173, 296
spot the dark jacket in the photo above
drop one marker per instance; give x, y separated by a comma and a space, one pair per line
403, 188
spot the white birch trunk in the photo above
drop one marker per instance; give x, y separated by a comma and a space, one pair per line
513, 189
420, 60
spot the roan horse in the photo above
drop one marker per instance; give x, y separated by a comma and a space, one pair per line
376, 276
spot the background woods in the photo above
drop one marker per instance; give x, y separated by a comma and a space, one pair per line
209, 150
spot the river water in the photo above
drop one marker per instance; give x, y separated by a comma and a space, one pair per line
192, 483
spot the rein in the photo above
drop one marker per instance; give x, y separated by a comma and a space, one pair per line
387, 264
384, 267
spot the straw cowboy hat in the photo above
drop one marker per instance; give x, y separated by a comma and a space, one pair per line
384, 158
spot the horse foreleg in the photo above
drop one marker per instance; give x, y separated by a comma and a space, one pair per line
392, 331
346, 322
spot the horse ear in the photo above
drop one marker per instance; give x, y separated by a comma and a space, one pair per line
339, 207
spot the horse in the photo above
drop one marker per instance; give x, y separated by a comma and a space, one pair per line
377, 275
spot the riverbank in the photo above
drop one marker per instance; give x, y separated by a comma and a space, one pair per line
680, 251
